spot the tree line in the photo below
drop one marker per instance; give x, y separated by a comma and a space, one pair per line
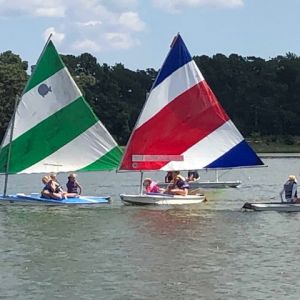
262, 97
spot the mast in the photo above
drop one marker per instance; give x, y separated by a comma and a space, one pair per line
141, 182
10, 144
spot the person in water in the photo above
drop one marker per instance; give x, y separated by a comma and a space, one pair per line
193, 175
179, 185
73, 185
289, 190
151, 186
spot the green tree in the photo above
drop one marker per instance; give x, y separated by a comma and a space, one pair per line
13, 77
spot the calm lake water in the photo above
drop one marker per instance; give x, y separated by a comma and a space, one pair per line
209, 251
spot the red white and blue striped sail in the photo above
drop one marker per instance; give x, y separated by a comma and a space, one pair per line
182, 125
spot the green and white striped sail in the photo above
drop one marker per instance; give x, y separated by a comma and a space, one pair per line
55, 129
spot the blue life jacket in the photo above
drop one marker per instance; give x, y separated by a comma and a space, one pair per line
182, 183
72, 187
47, 187
288, 189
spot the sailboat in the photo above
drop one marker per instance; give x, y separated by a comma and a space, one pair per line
272, 206
53, 129
183, 127
210, 184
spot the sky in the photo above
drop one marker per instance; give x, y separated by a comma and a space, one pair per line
138, 33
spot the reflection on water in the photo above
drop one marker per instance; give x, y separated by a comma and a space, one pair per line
208, 251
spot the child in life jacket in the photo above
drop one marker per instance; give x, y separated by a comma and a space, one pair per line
72, 185
151, 186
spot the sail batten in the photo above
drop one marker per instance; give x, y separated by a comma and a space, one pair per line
153, 157
183, 117
55, 129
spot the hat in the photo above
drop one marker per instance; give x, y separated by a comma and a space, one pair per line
292, 178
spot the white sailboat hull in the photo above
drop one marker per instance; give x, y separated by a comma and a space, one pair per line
208, 184
162, 199
275, 206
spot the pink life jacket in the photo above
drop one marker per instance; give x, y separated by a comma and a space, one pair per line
152, 188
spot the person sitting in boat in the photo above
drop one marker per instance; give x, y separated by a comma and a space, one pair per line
58, 187
168, 177
151, 186
50, 190
178, 186
193, 175
289, 190
73, 185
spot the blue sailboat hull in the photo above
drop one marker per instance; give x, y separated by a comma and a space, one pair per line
36, 199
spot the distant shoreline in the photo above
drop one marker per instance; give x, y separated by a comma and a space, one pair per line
266, 149
279, 155
275, 145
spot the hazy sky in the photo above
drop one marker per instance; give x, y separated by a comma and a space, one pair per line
138, 33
